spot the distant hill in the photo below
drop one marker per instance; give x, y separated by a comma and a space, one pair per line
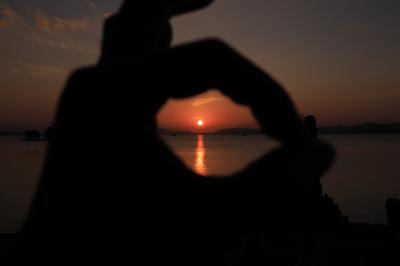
227, 131
367, 128
174, 132
238, 131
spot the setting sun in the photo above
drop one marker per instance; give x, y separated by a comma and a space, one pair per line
200, 123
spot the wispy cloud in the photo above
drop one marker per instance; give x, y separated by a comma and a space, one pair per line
67, 44
8, 18
47, 23
108, 14
38, 70
92, 5
205, 100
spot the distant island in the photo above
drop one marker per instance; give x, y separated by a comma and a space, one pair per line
237, 131
367, 128
35, 135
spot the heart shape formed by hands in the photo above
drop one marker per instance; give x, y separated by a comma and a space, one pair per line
162, 72
137, 53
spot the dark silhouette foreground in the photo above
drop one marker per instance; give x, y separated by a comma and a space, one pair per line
121, 196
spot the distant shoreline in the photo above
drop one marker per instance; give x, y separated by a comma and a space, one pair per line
261, 133
363, 129
11, 133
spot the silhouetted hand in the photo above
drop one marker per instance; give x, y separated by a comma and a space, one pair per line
280, 181
108, 179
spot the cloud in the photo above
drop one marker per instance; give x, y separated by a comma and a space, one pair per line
108, 14
47, 23
92, 5
205, 100
8, 18
67, 44
37, 70
47, 15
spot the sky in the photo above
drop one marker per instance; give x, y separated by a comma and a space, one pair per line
337, 59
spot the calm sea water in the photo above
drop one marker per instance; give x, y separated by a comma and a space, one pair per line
366, 173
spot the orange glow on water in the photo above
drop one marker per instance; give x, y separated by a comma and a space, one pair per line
200, 166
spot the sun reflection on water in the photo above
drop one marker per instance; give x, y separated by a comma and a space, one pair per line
200, 166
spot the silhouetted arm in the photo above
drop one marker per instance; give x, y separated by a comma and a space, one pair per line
194, 68
282, 179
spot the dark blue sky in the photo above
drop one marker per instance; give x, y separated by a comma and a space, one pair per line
338, 59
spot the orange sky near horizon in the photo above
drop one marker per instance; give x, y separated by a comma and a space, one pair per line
216, 110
